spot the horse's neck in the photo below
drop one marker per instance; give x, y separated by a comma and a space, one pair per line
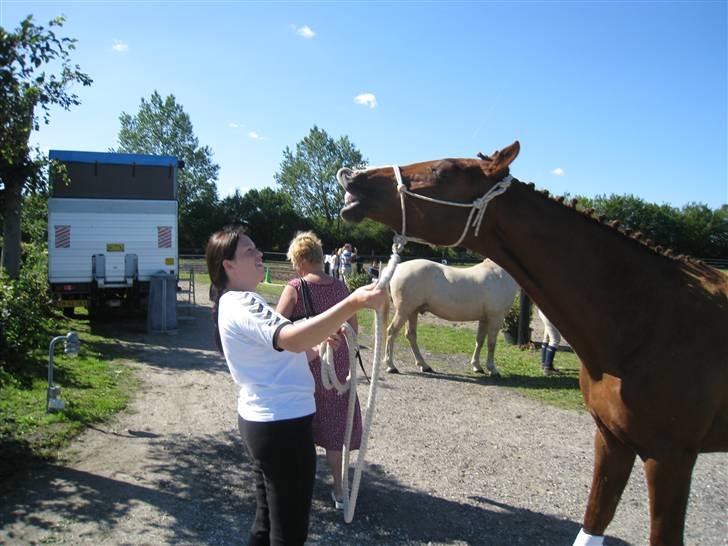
583, 275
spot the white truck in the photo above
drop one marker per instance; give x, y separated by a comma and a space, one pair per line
112, 224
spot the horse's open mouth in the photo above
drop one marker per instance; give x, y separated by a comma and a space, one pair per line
350, 201
352, 210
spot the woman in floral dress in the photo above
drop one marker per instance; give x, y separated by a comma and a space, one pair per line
329, 426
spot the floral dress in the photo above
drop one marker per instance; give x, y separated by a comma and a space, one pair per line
329, 423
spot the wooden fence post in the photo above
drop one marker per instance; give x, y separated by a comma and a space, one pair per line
524, 320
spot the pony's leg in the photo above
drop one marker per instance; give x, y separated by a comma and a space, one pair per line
492, 338
412, 338
668, 483
613, 463
479, 339
392, 330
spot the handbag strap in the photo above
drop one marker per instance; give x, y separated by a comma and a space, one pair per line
306, 295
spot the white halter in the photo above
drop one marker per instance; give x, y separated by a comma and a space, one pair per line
478, 205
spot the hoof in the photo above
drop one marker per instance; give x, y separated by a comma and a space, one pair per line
426, 370
392, 369
495, 374
478, 370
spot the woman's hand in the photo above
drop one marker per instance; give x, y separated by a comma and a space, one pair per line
312, 354
335, 340
369, 296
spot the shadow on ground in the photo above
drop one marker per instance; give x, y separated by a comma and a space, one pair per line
189, 347
202, 494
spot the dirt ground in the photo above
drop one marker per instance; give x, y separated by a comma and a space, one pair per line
453, 459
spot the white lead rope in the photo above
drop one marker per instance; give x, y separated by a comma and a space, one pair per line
327, 361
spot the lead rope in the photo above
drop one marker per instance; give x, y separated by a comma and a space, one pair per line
330, 380
328, 370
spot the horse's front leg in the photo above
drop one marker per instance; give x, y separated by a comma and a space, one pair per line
412, 338
479, 339
613, 463
668, 483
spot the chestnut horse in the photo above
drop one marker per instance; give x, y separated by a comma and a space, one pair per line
650, 329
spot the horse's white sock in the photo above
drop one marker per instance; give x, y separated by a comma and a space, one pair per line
585, 539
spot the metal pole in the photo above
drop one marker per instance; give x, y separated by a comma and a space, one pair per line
50, 368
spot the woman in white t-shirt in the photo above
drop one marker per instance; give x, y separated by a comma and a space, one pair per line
266, 356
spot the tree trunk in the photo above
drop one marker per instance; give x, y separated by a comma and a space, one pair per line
10, 258
14, 175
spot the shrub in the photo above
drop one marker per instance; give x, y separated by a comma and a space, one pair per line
356, 280
26, 311
510, 321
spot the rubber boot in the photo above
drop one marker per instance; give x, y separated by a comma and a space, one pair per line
548, 364
543, 353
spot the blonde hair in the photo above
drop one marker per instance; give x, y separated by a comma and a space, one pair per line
305, 246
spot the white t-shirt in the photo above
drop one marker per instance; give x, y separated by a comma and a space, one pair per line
274, 384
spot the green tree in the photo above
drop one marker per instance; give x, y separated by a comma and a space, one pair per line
694, 229
719, 235
309, 174
704, 231
269, 216
35, 71
162, 127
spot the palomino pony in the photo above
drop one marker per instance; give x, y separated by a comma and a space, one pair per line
483, 292
649, 328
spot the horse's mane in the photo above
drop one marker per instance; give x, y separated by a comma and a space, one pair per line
635, 237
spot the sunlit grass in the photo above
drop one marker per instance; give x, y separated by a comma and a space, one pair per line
520, 368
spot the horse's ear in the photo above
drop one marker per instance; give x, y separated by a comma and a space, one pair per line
500, 159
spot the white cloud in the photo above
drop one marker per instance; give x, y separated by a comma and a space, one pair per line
255, 136
306, 32
558, 171
233, 125
367, 99
120, 46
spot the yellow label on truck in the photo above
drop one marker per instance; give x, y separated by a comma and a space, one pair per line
169, 261
114, 247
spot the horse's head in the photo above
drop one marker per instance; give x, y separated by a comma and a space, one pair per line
373, 192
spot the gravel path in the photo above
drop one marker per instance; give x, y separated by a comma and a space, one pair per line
453, 459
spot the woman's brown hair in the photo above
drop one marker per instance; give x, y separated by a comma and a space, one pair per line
220, 247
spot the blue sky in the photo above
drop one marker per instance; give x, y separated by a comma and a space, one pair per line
605, 97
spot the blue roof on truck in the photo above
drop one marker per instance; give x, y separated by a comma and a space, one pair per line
111, 158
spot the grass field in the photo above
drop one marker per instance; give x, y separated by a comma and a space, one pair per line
520, 368
94, 386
